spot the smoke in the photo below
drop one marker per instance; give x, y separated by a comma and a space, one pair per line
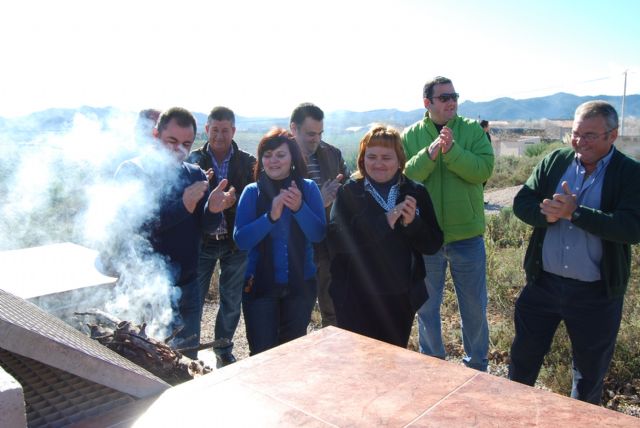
58, 186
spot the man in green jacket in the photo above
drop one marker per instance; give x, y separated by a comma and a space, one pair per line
584, 205
452, 157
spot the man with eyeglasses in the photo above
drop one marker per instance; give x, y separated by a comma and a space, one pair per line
452, 157
584, 205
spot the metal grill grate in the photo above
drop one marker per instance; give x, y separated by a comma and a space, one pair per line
55, 398
29, 331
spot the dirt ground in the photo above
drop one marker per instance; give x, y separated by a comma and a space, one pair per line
495, 200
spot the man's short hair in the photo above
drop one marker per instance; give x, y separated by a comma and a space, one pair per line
427, 91
484, 123
222, 113
305, 110
183, 118
598, 108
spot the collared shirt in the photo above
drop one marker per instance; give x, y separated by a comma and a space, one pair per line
570, 251
221, 171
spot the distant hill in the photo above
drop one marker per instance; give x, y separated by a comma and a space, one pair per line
557, 106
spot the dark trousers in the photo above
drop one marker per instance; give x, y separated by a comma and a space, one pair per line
279, 315
322, 260
592, 321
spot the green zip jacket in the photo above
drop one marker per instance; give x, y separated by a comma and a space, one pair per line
617, 222
454, 180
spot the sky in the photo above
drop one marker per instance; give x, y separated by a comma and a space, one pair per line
262, 58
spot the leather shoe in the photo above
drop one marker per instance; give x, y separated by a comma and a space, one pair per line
225, 359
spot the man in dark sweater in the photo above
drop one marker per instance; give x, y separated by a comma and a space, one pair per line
178, 208
584, 205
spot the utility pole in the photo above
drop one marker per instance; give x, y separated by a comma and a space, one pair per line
624, 94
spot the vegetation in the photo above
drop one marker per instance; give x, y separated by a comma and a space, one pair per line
512, 170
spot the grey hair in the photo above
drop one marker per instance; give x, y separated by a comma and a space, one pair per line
598, 108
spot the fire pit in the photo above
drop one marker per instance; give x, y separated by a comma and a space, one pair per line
64, 375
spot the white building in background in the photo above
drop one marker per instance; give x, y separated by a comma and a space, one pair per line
515, 147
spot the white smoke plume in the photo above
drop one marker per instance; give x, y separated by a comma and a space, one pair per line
58, 187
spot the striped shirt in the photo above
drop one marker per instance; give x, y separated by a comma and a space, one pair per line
313, 169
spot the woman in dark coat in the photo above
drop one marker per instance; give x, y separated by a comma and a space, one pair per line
381, 224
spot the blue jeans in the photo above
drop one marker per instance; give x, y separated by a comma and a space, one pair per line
467, 264
233, 264
279, 315
592, 320
190, 313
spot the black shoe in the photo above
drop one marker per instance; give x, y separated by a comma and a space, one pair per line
223, 360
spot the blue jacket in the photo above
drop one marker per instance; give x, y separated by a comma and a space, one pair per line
249, 231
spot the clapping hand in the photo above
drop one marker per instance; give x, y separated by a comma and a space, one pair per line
330, 189
408, 210
209, 173
443, 143
220, 200
292, 197
193, 193
277, 205
405, 209
561, 206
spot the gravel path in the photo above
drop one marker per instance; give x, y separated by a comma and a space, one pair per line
499, 198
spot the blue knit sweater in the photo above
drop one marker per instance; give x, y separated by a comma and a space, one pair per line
250, 230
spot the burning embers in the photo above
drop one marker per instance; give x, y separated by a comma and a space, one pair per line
131, 341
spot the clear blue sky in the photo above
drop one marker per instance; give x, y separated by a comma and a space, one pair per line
264, 57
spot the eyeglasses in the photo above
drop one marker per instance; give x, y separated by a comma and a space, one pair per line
589, 137
446, 97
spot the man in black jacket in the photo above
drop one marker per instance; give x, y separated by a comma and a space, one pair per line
327, 168
221, 159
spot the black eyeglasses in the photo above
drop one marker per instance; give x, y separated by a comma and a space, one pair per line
446, 97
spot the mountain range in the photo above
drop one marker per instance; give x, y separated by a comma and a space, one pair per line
557, 106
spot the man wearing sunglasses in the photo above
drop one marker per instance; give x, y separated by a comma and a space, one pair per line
584, 204
452, 157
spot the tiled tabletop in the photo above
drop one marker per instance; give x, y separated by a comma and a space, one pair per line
336, 378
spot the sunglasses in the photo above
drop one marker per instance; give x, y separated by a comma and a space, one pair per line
446, 97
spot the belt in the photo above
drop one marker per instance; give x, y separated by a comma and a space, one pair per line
216, 237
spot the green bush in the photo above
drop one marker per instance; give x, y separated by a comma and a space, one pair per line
514, 170
511, 171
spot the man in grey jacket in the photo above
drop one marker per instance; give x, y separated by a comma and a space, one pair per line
327, 168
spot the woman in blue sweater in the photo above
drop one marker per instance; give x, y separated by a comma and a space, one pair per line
278, 218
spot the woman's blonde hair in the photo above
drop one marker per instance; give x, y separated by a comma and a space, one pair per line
380, 136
